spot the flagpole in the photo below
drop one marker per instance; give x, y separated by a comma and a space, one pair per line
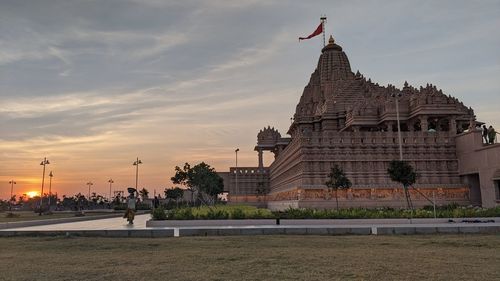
323, 20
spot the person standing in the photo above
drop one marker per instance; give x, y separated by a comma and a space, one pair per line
485, 134
491, 134
156, 202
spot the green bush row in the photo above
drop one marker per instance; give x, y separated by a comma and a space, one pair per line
246, 212
221, 212
387, 213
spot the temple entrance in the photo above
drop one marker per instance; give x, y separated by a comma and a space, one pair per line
474, 184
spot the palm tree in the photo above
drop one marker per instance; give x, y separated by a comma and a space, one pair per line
144, 193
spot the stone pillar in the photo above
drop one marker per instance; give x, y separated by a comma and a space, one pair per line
411, 127
423, 123
472, 123
453, 126
389, 126
261, 161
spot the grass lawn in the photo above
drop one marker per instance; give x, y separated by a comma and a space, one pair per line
418, 257
30, 215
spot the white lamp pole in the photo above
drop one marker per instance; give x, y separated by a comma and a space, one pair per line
110, 183
50, 186
12, 182
89, 184
236, 151
44, 162
136, 164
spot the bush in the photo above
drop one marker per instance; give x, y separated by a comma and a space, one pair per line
248, 212
217, 214
181, 214
237, 214
447, 211
159, 214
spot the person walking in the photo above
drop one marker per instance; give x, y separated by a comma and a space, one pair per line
131, 200
485, 134
491, 134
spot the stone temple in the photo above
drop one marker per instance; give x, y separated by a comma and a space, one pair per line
345, 119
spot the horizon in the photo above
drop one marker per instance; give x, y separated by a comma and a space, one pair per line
93, 86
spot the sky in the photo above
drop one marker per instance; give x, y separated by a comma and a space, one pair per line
92, 85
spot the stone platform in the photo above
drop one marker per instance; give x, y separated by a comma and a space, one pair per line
117, 227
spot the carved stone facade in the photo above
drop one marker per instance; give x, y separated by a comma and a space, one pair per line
344, 119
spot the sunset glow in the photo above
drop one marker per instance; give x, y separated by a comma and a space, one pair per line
32, 194
175, 83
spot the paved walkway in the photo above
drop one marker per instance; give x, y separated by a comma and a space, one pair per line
97, 224
118, 227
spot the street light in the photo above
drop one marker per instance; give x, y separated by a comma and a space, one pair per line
89, 184
236, 151
136, 164
50, 186
44, 162
12, 182
110, 183
396, 96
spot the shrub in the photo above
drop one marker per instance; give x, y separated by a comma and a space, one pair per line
218, 214
181, 214
238, 214
447, 211
159, 214
261, 214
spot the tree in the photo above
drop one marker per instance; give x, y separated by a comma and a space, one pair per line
402, 172
21, 198
200, 178
175, 194
144, 193
262, 189
337, 180
80, 201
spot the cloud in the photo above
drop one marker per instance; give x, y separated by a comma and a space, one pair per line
93, 85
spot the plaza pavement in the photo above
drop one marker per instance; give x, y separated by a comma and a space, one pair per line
118, 227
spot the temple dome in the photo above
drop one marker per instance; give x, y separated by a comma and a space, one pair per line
331, 45
333, 63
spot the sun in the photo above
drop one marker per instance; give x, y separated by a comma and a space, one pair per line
32, 194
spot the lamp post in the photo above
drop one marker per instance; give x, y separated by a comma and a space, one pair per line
89, 184
12, 182
136, 164
396, 96
110, 183
50, 186
44, 162
236, 180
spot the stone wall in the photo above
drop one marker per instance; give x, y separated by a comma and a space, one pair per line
244, 182
367, 197
477, 158
365, 156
